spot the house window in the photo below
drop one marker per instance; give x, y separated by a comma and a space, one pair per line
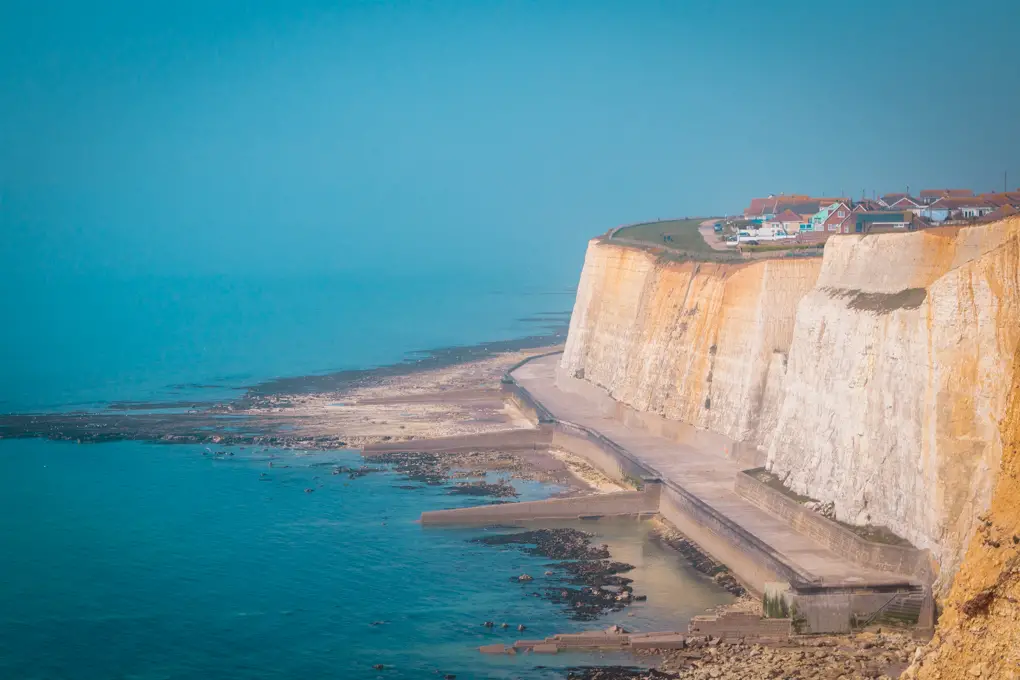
841, 213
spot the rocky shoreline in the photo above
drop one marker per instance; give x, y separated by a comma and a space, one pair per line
586, 582
879, 655
449, 392
702, 562
469, 472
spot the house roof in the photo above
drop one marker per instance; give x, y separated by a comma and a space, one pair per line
889, 199
757, 206
951, 193
1001, 213
867, 204
1001, 199
798, 203
945, 203
905, 202
800, 207
830, 209
788, 216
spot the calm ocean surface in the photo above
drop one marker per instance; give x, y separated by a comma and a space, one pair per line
77, 343
142, 561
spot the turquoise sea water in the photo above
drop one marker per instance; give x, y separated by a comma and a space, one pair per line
143, 561
78, 342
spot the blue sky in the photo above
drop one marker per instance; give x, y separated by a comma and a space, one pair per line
200, 137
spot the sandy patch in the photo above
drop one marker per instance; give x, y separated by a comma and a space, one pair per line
586, 472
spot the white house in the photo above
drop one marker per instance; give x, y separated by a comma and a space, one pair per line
908, 203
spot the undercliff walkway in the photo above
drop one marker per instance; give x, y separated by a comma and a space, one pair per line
700, 471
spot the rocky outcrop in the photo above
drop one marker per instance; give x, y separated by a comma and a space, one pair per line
874, 379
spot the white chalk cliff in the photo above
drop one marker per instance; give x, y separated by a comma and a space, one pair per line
874, 378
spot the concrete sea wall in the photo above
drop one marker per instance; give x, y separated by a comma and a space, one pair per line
755, 563
820, 606
842, 541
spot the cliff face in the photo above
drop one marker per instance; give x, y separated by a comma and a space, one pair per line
688, 341
978, 635
898, 375
875, 378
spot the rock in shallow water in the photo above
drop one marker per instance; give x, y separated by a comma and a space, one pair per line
588, 567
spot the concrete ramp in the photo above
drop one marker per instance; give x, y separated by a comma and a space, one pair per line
503, 440
644, 502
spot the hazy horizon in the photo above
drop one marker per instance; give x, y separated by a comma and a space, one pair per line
200, 138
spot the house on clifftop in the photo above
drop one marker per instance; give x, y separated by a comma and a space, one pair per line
888, 200
1001, 214
765, 209
880, 221
908, 203
788, 221
830, 217
929, 196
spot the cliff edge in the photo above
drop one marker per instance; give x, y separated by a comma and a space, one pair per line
874, 378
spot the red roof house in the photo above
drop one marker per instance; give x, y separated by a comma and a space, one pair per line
889, 199
959, 208
929, 196
1003, 198
786, 220
905, 203
866, 204
1001, 214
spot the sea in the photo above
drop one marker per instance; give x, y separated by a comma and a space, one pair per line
143, 561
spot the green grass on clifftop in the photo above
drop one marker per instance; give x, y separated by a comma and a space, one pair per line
678, 234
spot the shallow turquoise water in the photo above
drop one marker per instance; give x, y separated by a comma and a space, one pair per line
149, 562
143, 561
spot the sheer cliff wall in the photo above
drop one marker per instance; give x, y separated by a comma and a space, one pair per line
978, 634
874, 378
898, 376
688, 341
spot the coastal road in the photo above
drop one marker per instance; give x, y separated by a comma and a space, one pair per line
711, 238
698, 468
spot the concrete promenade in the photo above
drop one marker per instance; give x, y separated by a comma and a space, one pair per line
699, 470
